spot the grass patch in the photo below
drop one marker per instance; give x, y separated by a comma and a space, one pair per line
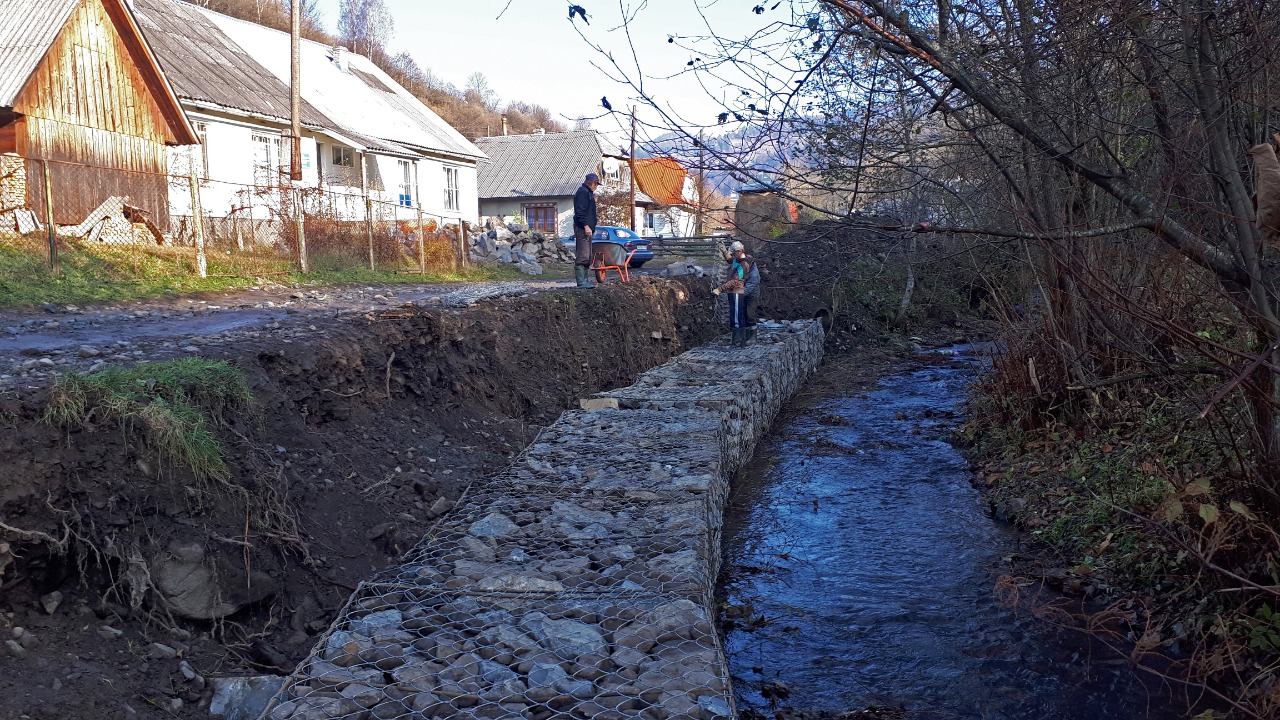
96, 272
171, 404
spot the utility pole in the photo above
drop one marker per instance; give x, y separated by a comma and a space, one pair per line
699, 188
295, 129
631, 165
295, 92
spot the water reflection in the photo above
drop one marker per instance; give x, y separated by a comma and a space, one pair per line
863, 563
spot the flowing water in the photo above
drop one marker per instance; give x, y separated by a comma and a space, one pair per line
866, 562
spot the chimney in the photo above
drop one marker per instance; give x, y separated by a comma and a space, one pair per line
504, 124
340, 58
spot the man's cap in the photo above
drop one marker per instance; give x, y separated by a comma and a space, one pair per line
592, 177
735, 246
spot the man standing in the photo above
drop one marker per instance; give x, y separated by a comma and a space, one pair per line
584, 224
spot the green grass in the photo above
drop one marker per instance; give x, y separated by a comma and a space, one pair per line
171, 404
94, 272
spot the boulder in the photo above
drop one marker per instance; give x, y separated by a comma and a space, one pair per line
517, 227
242, 698
199, 588
530, 267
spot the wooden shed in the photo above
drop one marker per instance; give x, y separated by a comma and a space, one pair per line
81, 89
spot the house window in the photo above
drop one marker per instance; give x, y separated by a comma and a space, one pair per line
541, 218
406, 183
343, 156
266, 160
650, 221
202, 130
451, 189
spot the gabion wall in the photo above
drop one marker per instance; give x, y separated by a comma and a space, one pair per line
578, 583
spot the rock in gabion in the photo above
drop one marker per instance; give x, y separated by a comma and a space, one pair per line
577, 583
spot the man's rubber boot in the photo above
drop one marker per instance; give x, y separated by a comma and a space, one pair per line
580, 274
738, 337
750, 338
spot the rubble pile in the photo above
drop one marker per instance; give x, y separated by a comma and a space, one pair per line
516, 244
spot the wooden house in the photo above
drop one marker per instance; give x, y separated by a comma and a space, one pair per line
81, 90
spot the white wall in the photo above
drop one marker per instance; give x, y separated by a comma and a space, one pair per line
227, 183
668, 222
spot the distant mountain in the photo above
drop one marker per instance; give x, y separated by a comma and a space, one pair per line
729, 160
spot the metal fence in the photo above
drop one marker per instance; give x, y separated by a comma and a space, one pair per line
133, 222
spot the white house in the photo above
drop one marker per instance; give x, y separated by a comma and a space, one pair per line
363, 134
535, 176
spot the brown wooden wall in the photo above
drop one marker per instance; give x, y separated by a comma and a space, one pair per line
90, 112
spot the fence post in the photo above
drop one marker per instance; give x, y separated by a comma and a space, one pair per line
461, 254
48, 219
368, 226
197, 222
422, 244
303, 263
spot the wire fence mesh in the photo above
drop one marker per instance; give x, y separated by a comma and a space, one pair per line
577, 583
142, 224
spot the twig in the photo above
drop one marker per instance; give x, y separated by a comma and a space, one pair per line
388, 378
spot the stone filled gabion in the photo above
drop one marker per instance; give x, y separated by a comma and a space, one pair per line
578, 583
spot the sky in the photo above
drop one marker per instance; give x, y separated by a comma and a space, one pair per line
530, 51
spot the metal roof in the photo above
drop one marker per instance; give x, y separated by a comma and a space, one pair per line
28, 30
205, 65
539, 165
366, 102
662, 179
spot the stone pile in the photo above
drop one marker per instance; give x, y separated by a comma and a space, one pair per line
578, 583
516, 244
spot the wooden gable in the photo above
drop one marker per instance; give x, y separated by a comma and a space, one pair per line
99, 73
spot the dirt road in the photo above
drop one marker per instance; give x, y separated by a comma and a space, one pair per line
37, 342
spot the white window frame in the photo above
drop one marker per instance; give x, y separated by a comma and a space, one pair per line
202, 131
406, 184
267, 168
451, 189
343, 156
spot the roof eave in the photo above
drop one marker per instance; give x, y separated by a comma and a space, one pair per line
184, 132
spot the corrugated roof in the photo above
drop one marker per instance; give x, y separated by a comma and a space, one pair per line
662, 179
550, 165
366, 102
204, 64
28, 30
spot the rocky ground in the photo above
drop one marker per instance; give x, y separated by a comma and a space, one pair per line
370, 423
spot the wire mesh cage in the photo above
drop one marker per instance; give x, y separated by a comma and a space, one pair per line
577, 583
426, 654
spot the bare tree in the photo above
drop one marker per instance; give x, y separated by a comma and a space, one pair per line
366, 26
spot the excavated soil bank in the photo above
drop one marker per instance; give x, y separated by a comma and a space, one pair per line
126, 585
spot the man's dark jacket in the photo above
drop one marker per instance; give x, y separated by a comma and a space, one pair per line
584, 208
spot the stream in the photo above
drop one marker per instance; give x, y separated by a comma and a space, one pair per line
861, 565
